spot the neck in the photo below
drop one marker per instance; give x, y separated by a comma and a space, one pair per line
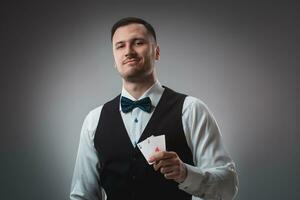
137, 89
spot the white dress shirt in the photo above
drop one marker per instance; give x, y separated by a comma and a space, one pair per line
212, 177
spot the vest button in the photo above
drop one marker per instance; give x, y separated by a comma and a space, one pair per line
133, 177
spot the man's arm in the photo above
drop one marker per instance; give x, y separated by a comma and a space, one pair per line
85, 183
214, 175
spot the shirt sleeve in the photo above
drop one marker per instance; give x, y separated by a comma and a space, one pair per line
214, 175
86, 181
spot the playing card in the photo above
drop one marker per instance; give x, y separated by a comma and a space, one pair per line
152, 145
159, 143
146, 148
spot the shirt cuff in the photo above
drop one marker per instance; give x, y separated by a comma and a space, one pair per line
193, 180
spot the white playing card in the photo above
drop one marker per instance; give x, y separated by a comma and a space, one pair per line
159, 143
152, 145
145, 148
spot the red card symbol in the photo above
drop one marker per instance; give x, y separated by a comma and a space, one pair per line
157, 149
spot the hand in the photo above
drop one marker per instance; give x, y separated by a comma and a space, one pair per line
169, 164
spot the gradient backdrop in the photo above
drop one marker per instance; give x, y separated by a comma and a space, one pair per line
241, 59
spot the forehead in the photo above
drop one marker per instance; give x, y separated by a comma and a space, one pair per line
127, 32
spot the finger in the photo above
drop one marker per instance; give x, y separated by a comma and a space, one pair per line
158, 165
165, 163
161, 156
167, 170
172, 175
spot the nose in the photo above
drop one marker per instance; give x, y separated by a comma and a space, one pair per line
130, 52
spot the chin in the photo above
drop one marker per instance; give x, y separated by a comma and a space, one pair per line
134, 77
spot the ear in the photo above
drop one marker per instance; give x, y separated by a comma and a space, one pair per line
157, 52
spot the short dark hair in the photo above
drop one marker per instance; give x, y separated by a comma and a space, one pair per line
132, 20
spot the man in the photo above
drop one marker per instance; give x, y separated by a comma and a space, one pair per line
109, 164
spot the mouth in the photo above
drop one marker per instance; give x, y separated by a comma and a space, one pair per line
131, 61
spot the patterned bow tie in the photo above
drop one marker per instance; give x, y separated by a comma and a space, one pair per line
127, 105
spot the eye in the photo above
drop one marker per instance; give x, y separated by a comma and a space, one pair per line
139, 42
119, 46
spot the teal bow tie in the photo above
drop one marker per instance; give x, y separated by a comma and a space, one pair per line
127, 105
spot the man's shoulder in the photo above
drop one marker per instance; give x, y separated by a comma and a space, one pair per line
194, 104
95, 112
92, 118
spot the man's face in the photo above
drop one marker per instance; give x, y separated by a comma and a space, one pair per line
135, 52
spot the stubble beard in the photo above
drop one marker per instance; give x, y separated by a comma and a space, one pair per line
138, 75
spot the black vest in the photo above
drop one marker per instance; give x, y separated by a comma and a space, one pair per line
124, 172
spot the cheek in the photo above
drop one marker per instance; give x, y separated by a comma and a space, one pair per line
117, 58
147, 54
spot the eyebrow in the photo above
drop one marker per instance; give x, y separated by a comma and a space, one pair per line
133, 39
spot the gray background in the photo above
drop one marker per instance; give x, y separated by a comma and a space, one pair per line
241, 59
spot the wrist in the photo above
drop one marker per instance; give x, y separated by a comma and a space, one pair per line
183, 173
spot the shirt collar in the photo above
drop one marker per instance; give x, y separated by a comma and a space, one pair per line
154, 93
